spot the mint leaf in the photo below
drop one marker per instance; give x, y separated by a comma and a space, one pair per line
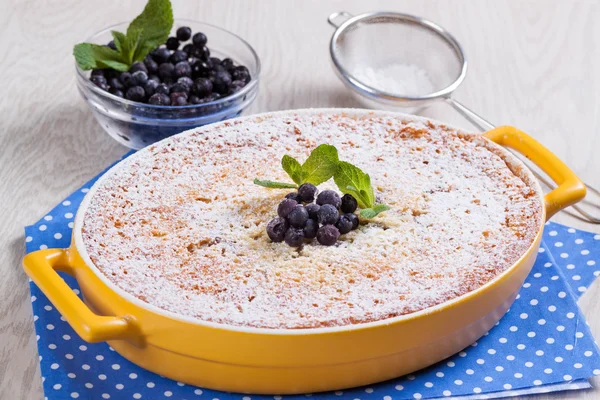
90, 56
274, 185
119, 39
352, 180
149, 29
320, 165
369, 213
293, 169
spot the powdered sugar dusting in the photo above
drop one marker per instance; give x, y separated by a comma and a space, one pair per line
181, 226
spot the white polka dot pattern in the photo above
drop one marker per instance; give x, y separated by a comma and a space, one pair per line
542, 341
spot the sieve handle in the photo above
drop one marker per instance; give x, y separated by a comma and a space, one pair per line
336, 16
470, 115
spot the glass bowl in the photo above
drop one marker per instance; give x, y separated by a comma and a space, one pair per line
137, 125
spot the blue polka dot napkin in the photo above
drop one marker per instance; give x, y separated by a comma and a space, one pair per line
542, 344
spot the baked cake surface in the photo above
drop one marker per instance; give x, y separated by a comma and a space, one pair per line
180, 225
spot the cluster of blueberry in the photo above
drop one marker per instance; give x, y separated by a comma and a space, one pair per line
170, 76
300, 218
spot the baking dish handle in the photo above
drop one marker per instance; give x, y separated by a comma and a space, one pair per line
41, 266
570, 188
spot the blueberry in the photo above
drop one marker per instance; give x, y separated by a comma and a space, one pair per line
329, 197
116, 92
111, 73
188, 48
200, 69
213, 96
285, 207
162, 89
183, 68
276, 229
349, 203
97, 72
199, 39
135, 93
221, 82
186, 81
344, 224
294, 196
202, 87
183, 33
215, 61
235, 87
139, 78
166, 70
159, 99
327, 214
161, 55
193, 99
307, 192
294, 237
151, 65
227, 63
126, 79
241, 73
178, 56
327, 235
172, 43
310, 229
201, 52
150, 87
99, 80
353, 218
154, 78
180, 88
115, 83
112, 45
312, 209
138, 66
298, 216
178, 99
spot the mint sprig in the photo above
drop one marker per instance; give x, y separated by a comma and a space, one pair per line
147, 31
274, 185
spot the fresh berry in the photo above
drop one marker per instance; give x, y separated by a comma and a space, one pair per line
294, 196
183, 33
327, 214
344, 224
285, 207
150, 87
180, 88
201, 52
241, 73
199, 39
178, 99
116, 92
327, 235
221, 82
135, 93
186, 81
139, 78
213, 96
159, 99
154, 78
188, 48
307, 192
166, 70
115, 83
161, 55
97, 72
202, 87
126, 79
178, 56
235, 87
329, 197
200, 69
310, 229
99, 80
162, 89
215, 61
112, 45
151, 65
193, 99
183, 68
312, 209
227, 63
353, 218
172, 43
138, 66
276, 229
294, 237
298, 216
349, 203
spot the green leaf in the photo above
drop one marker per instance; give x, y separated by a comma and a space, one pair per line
119, 39
274, 185
90, 56
369, 213
149, 29
320, 165
352, 180
293, 169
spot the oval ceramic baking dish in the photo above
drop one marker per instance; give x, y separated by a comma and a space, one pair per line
280, 361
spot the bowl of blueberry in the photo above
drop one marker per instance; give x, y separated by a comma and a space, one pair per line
199, 75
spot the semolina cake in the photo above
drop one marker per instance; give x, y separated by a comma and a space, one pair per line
180, 225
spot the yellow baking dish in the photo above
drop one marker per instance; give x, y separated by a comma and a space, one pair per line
279, 361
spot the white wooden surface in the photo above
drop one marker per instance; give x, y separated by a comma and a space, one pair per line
533, 64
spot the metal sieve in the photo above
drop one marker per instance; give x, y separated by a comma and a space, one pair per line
368, 42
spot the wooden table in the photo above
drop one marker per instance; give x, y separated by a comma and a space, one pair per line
533, 64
